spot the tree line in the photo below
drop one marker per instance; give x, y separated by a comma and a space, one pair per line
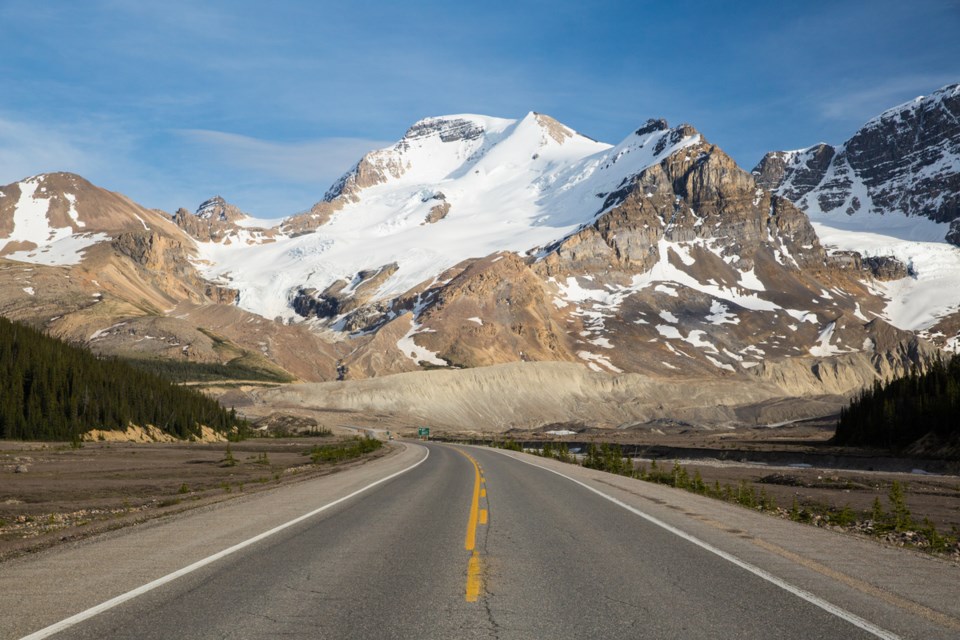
896, 413
50, 390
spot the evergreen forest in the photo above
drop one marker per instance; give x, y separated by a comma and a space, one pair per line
897, 413
50, 390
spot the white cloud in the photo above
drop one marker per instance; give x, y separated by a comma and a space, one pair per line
313, 161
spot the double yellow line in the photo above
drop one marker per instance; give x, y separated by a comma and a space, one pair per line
477, 517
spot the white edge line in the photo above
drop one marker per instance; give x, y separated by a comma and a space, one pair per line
170, 577
853, 619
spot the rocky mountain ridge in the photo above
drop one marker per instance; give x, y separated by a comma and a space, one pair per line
889, 199
904, 161
477, 241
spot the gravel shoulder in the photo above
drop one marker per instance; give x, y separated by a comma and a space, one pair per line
42, 588
51, 493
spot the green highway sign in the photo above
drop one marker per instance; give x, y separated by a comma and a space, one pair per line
423, 432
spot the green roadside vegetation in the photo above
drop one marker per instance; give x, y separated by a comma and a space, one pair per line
342, 451
891, 520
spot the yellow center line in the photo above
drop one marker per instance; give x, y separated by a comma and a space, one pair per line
477, 515
471, 540
473, 578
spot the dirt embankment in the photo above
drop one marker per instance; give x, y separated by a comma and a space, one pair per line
528, 395
148, 433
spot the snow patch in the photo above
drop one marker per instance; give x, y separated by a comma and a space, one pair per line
102, 332
823, 348
593, 359
930, 292
802, 316
721, 314
695, 339
718, 364
415, 352
72, 211
55, 246
669, 331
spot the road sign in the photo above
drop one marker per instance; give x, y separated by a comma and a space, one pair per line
423, 432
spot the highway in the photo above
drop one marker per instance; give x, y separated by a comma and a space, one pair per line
466, 542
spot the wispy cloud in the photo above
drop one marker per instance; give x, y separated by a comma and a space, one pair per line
865, 102
27, 148
310, 162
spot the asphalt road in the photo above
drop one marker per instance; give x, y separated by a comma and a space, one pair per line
473, 543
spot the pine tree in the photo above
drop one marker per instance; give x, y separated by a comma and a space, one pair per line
51, 390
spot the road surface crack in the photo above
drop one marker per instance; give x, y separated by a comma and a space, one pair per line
494, 626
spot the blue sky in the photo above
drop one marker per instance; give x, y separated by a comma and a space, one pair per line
266, 103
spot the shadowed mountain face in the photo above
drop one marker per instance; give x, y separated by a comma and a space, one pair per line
905, 161
477, 241
891, 195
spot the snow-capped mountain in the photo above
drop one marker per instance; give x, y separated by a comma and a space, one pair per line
891, 191
477, 241
452, 189
54, 219
904, 161
95, 268
216, 208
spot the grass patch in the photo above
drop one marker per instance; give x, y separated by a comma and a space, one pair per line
892, 522
240, 368
341, 451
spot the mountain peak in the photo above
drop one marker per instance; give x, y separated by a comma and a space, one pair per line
216, 208
53, 218
453, 128
652, 125
440, 148
904, 161
948, 94
558, 131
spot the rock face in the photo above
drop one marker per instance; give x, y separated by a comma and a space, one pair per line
440, 210
216, 208
478, 242
690, 268
793, 174
904, 161
95, 268
216, 220
698, 196
165, 261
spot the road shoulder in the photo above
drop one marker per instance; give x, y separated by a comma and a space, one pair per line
43, 588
